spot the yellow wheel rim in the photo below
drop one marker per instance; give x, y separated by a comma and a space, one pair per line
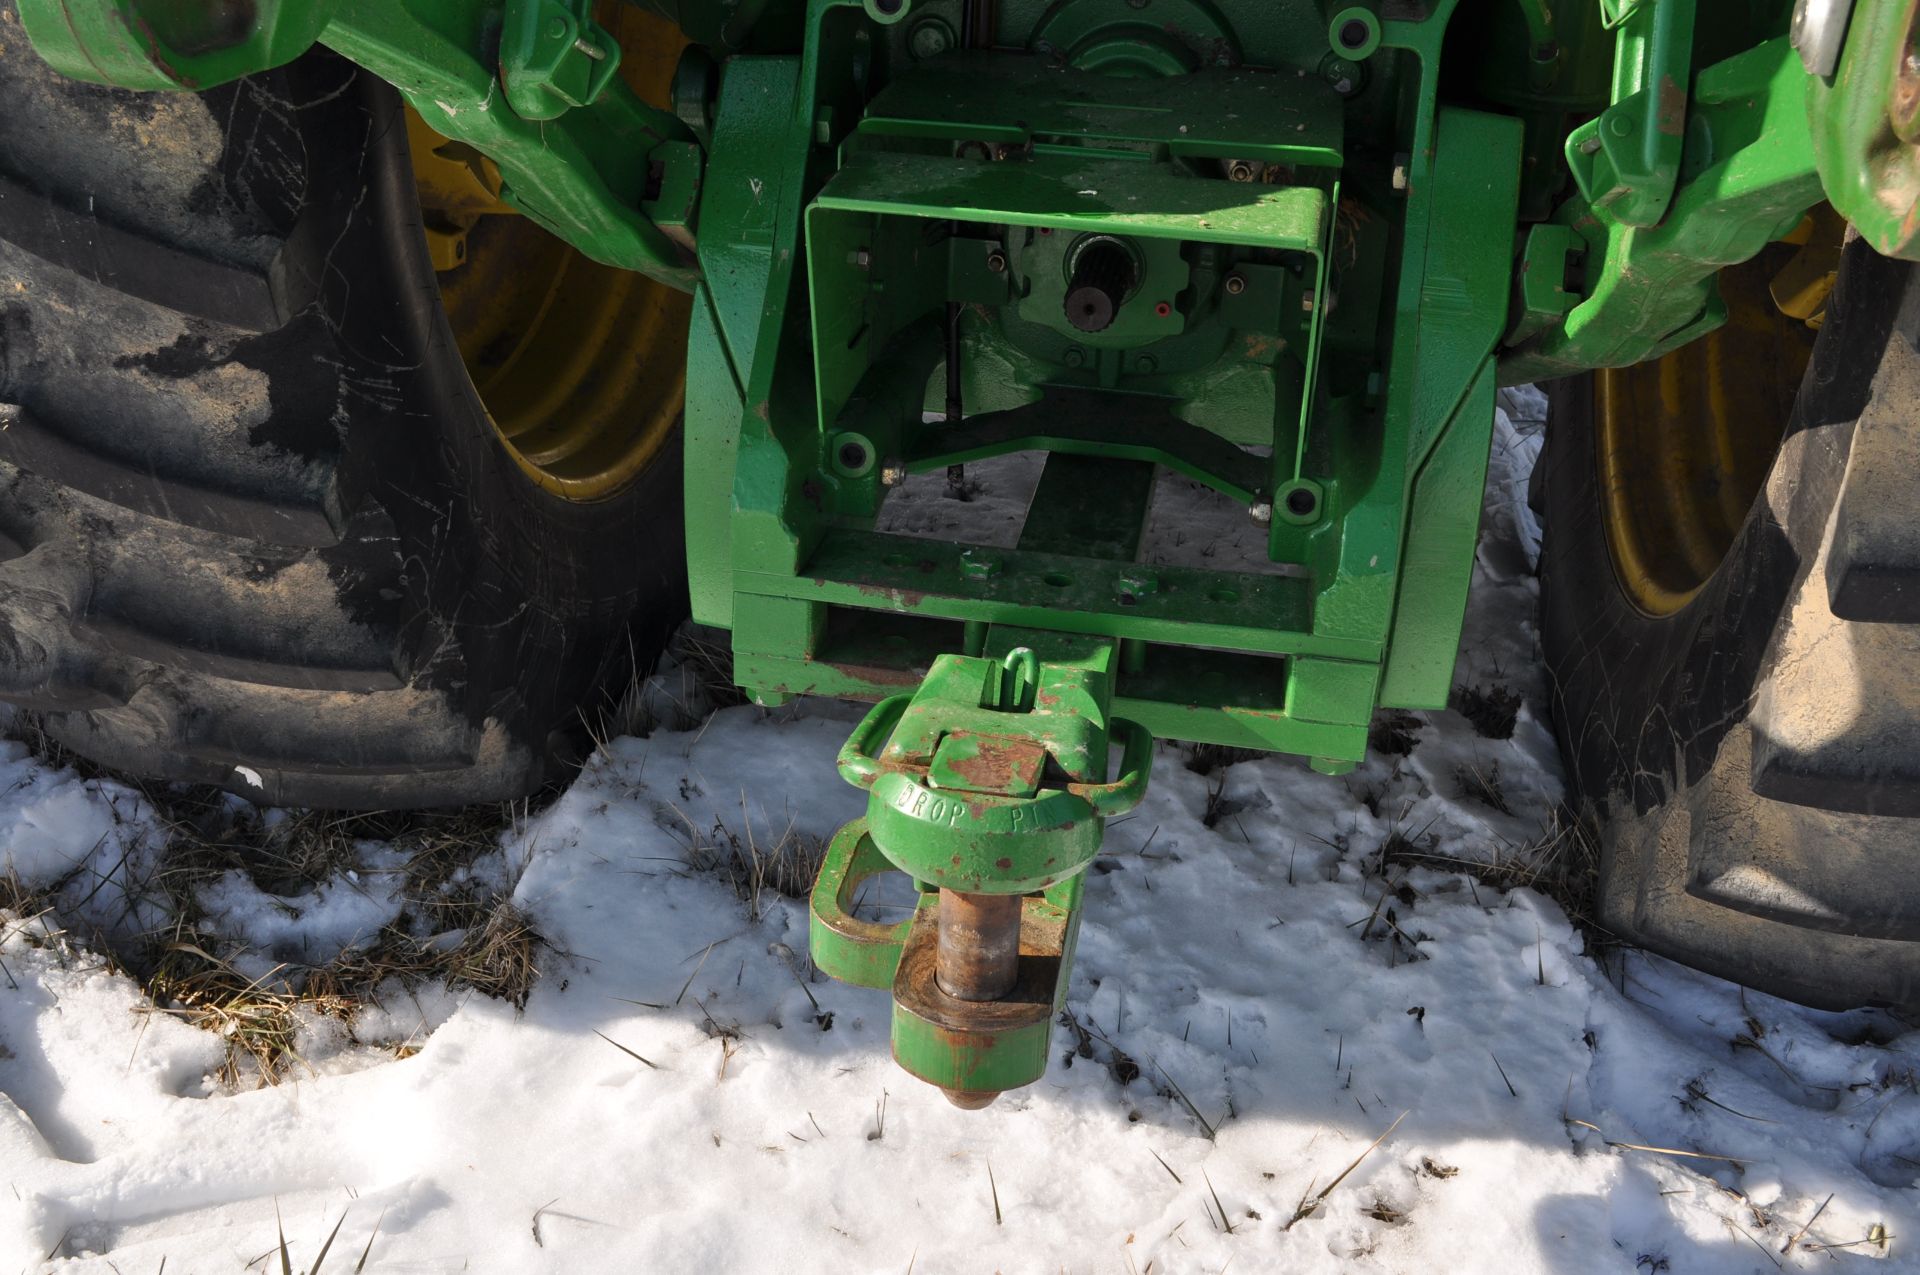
581, 367
1685, 441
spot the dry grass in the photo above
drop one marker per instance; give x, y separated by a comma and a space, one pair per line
787, 865
1482, 786
1492, 709
258, 1018
1206, 759
1563, 863
1393, 733
693, 678
455, 926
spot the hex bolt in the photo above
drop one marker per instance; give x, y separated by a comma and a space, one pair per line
1261, 511
1241, 170
862, 258
930, 38
1074, 356
1144, 364
1236, 284
997, 262
893, 473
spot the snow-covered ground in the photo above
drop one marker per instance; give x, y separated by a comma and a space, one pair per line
1258, 1000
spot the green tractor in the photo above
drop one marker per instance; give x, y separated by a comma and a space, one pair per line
380, 378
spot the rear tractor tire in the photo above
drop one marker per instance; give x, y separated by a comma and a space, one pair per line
273, 515
1731, 614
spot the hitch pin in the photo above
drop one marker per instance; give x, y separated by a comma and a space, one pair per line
593, 51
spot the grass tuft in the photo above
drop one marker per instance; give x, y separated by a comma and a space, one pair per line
1493, 709
1206, 759
1310, 1203
455, 925
787, 866
1393, 733
1561, 862
692, 678
1482, 786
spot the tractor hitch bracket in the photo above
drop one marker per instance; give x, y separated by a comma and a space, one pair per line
988, 788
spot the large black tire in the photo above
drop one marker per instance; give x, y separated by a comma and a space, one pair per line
256, 529
1753, 760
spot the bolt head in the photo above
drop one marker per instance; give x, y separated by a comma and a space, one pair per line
1400, 177
1261, 511
930, 39
997, 262
1236, 284
1074, 357
893, 473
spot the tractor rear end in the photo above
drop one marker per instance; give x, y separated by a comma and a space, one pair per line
1285, 251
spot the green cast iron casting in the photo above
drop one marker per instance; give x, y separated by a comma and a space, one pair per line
989, 779
958, 799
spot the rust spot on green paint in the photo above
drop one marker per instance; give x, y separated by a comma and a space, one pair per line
1671, 114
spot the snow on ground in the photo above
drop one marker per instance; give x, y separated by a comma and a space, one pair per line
1255, 1004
